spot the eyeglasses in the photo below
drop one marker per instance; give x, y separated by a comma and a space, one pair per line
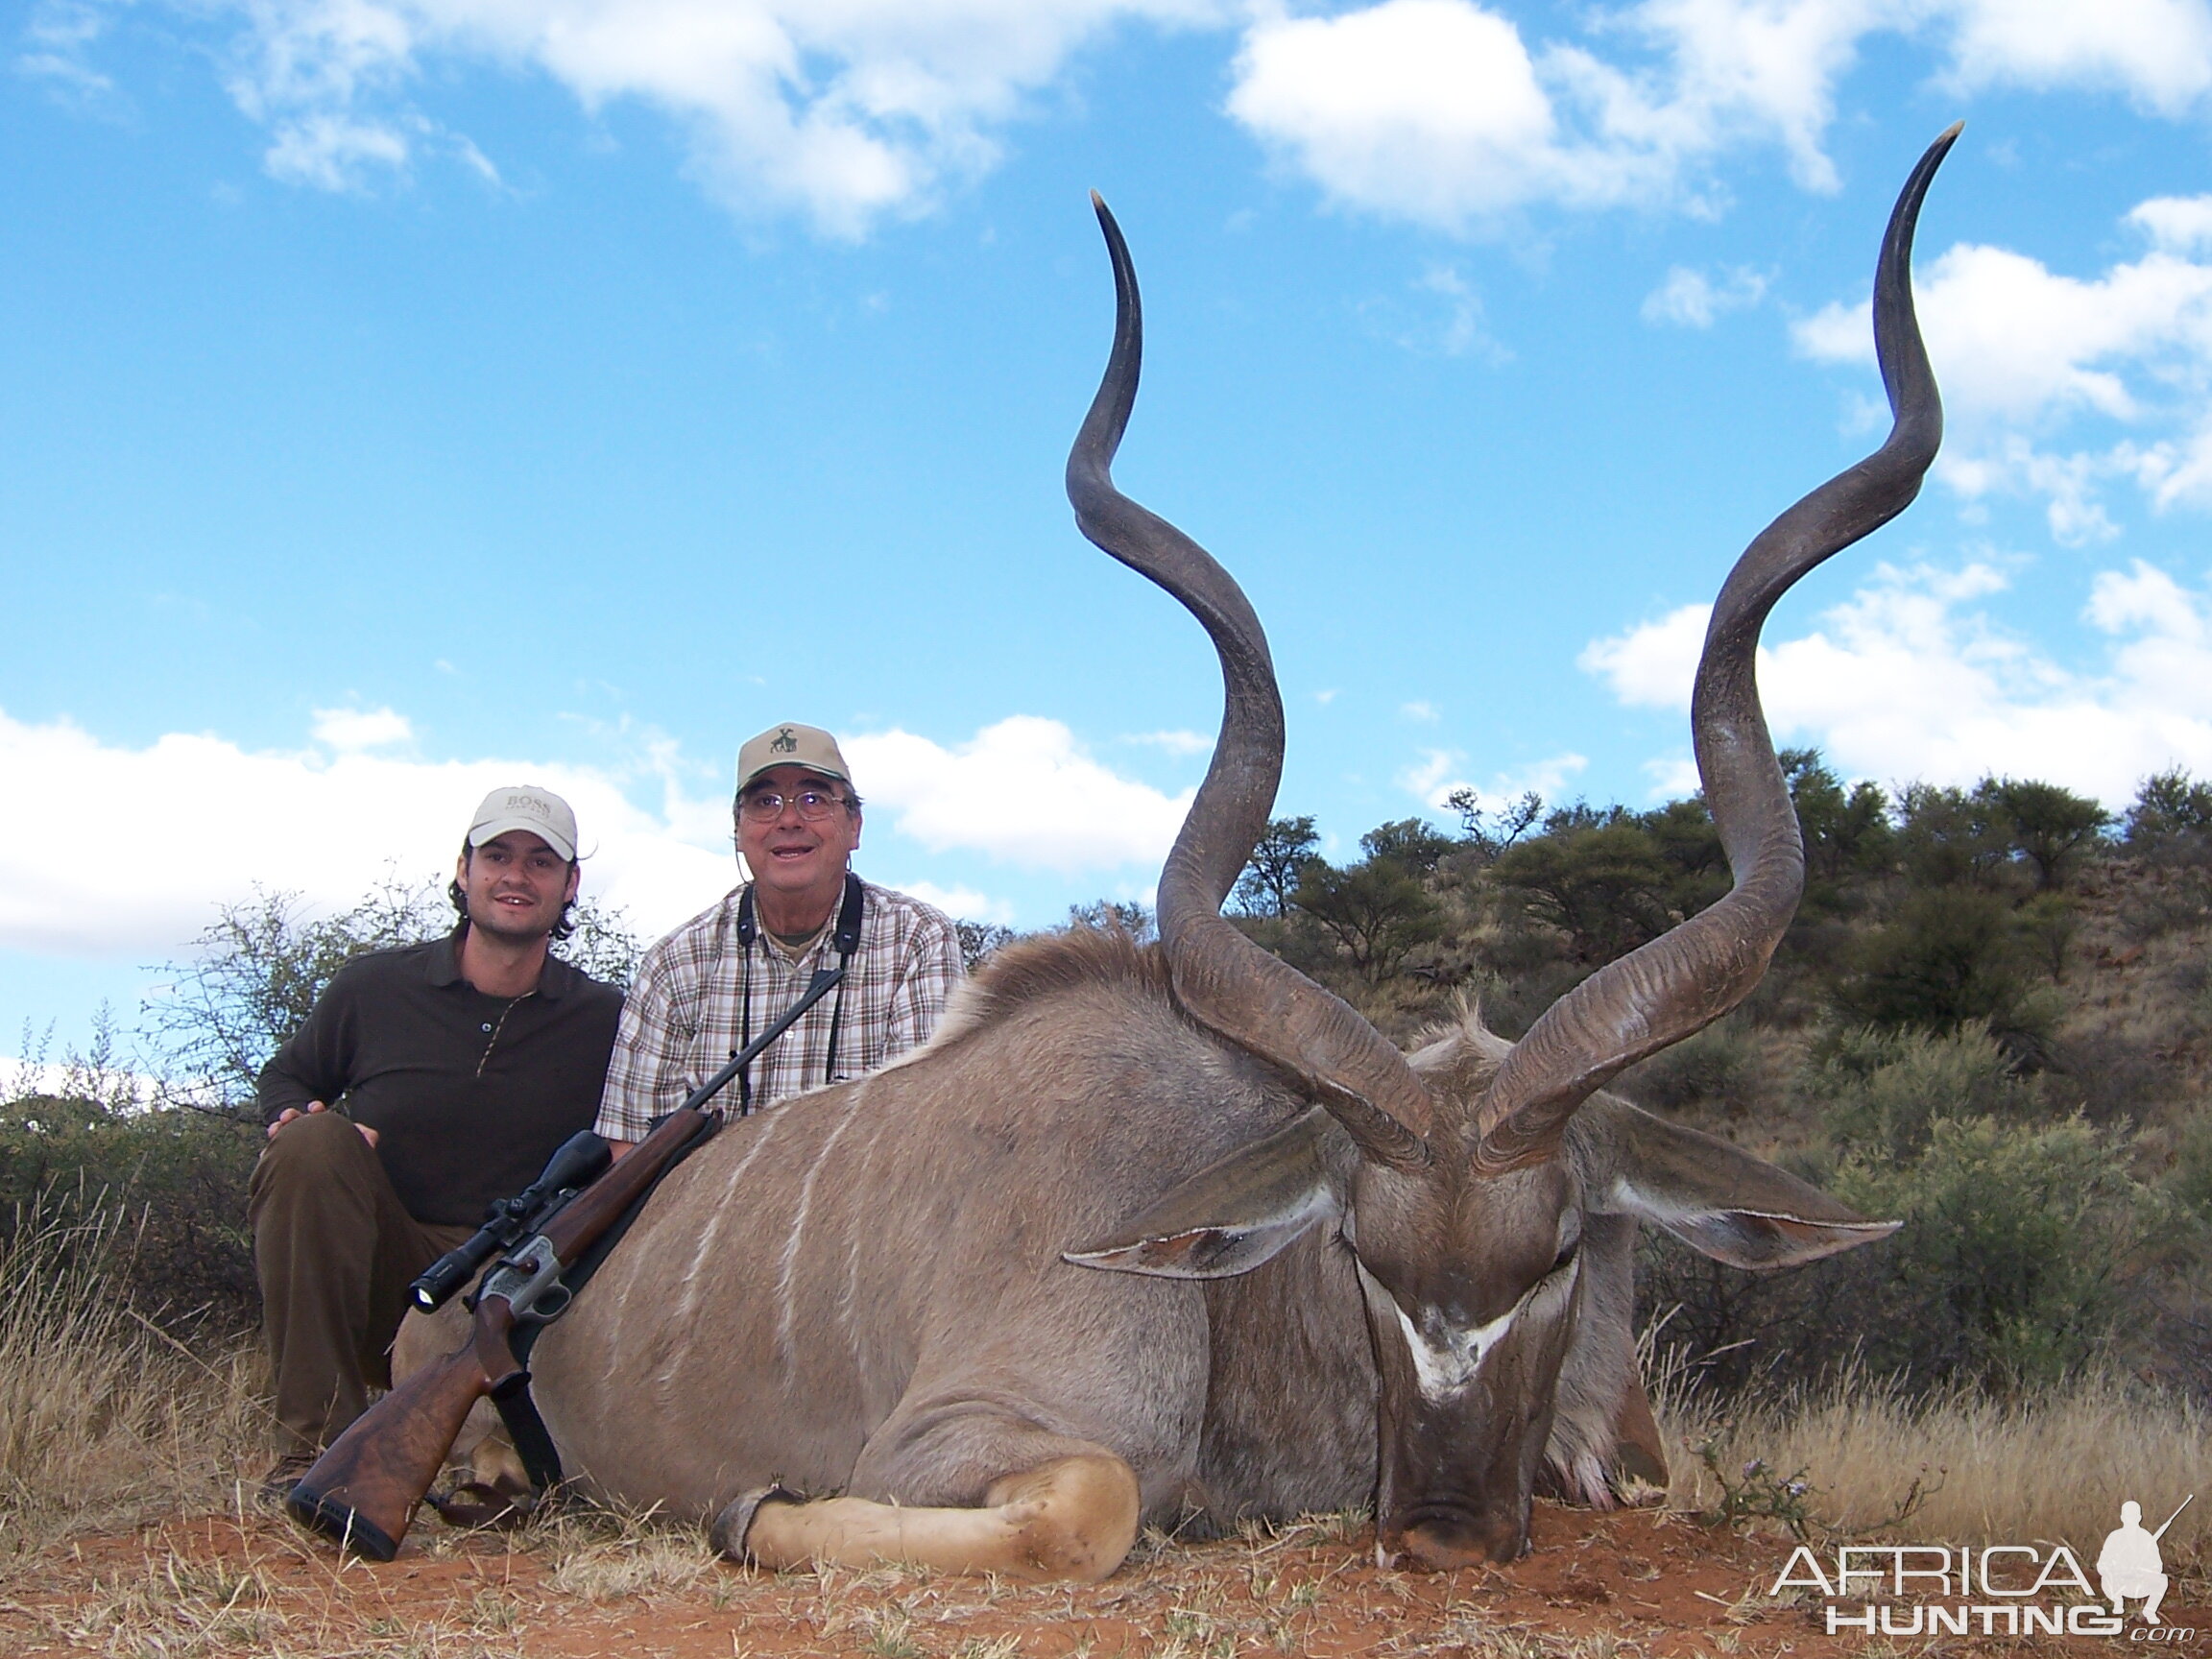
813, 804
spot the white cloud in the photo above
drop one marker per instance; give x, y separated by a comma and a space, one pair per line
2157, 52
1419, 710
58, 41
1022, 791
2014, 341
2178, 224
1907, 680
843, 110
1434, 779
1173, 742
77, 1079
1651, 665
2025, 355
1693, 300
114, 849
1446, 113
961, 904
1450, 113
352, 730
1431, 776
1427, 109
1437, 314
333, 153
1440, 112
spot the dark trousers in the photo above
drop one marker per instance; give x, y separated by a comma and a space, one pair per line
335, 1252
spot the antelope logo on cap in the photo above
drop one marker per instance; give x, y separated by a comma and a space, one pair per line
784, 742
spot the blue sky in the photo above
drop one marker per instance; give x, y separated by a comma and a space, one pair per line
403, 397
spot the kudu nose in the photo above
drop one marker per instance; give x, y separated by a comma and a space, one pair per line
1439, 1543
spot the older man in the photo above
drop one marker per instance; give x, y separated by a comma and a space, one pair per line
426, 1083
709, 988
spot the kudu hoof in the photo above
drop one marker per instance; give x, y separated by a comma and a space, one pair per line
728, 1532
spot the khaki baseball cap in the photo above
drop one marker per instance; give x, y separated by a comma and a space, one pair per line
791, 745
526, 806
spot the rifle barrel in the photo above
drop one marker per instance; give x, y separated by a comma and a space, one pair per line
2176, 1516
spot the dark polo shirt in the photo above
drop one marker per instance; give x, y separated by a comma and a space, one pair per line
469, 1093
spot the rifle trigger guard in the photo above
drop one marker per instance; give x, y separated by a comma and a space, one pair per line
526, 1277
550, 1303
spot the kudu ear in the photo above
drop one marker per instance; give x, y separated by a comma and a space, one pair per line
1714, 1198
1232, 1215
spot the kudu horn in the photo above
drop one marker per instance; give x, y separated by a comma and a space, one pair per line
1700, 969
1221, 978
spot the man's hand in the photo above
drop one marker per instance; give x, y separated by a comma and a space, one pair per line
291, 1112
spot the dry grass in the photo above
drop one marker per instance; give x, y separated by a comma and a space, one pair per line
2054, 1464
104, 1418
601, 1555
105, 1423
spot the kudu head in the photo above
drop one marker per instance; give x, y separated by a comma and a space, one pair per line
1463, 1179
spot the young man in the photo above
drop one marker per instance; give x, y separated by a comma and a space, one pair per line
426, 1083
709, 988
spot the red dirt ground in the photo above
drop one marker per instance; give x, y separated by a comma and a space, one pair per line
1631, 1583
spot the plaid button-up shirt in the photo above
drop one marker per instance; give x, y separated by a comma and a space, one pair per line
686, 1011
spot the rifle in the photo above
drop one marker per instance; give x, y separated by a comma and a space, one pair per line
2176, 1516
364, 1490
581, 1159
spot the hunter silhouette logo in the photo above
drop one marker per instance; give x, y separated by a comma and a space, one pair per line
1992, 1590
784, 742
2130, 1564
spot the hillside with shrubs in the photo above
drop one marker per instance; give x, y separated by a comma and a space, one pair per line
1992, 1020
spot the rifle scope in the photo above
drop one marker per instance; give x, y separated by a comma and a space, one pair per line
509, 1221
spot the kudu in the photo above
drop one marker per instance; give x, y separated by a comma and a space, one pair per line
1332, 1275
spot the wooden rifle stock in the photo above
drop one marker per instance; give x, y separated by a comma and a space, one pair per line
366, 1488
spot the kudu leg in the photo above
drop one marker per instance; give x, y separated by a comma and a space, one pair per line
1073, 1518
1604, 1436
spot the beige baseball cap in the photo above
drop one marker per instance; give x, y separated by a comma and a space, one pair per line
526, 806
791, 745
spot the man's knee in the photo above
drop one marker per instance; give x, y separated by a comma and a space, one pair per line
312, 1147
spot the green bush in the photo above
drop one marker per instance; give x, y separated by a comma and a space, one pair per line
177, 1175
2026, 1250
2172, 815
1948, 955
1607, 887
1882, 1091
1846, 833
1378, 910
1724, 1068
2190, 1180
2013, 1263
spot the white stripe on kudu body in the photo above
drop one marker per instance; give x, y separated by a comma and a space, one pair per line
711, 1236
785, 1306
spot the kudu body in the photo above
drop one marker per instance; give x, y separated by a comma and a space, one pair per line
1148, 1232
